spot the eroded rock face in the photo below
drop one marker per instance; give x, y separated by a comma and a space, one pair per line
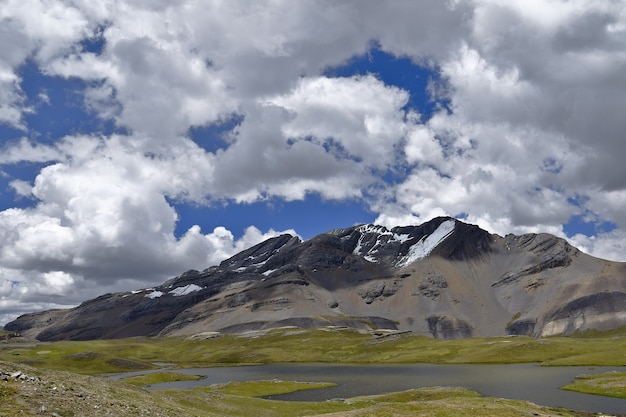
552, 252
378, 290
602, 311
449, 328
433, 287
522, 328
444, 278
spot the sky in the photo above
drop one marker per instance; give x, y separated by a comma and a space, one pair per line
140, 139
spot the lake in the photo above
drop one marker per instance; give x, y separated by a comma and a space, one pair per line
529, 382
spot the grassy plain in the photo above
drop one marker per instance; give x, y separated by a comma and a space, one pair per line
292, 345
612, 384
322, 346
158, 378
436, 401
69, 395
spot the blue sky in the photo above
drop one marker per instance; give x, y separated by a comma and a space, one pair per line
313, 215
132, 150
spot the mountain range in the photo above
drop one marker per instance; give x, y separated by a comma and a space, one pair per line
444, 278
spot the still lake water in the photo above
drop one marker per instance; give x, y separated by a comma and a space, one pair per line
529, 382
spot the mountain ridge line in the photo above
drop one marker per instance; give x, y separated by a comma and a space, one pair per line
444, 278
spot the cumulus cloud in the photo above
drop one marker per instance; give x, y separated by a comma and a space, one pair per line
282, 149
27, 151
526, 132
608, 245
568, 57
361, 115
105, 201
533, 94
262, 162
38, 30
102, 221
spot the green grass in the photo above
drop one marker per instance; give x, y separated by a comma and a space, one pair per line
8, 398
7, 391
266, 388
618, 332
436, 401
159, 377
322, 346
89, 358
427, 394
612, 384
243, 399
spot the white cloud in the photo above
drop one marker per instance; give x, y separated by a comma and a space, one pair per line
534, 121
611, 245
11, 98
485, 171
53, 25
22, 188
608, 205
282, 148
262, 162
361, 114
214, 247
568, 54
534, 93
27, 151
102, 221
41, 30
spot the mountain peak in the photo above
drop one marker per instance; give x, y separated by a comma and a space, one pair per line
443, 278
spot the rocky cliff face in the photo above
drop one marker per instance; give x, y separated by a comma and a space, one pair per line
444, 278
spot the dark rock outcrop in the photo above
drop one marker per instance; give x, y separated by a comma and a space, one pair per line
521, 328
593, 311
449, 328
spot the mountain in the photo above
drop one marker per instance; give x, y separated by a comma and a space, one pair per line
444, 278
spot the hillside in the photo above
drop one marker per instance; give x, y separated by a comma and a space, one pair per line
444, 278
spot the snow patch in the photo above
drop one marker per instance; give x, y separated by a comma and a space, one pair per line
187, 289
385, 236
154, 294
369, 229
425, 246
402, 238
359, 246
372, 228
268, 272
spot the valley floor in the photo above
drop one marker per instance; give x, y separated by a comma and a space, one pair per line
38, 392
50, 378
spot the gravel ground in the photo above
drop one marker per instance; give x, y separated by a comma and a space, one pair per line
33, 392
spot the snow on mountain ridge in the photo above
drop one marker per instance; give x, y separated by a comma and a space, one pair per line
470, 284
154, 294
381, 231
187, 289
427, 243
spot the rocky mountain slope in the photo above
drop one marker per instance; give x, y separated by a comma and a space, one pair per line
444, 278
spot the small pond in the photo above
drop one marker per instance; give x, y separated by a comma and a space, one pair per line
515, 381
